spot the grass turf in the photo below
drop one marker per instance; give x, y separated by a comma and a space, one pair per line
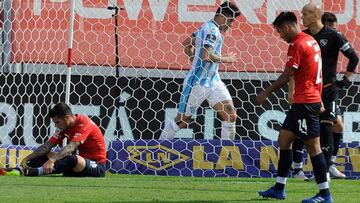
145, 189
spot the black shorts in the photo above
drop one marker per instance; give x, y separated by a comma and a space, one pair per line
329, 98
303, 120
92, 169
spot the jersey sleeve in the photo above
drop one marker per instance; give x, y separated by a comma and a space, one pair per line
56, 138
343, 43
348, 51
294, 56
82, 131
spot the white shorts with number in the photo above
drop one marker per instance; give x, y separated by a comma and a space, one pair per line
193, 97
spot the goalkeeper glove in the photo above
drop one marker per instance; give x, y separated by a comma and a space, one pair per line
344, 83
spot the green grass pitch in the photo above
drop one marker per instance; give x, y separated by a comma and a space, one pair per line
145, 189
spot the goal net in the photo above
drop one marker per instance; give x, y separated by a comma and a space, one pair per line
131, 93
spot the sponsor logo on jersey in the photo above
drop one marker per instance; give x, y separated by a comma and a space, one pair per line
211, 38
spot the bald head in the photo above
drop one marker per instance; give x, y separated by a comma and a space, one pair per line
311, 14
314, 8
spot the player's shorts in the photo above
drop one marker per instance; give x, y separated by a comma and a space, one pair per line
193, 97
329, 98
303, 120
92, 169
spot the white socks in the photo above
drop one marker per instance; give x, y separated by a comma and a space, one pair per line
228, 130
169, 130
333, 158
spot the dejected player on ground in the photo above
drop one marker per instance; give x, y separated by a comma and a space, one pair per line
82, 134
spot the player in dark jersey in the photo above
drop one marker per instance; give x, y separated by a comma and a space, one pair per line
302, 120
329, 19
82, 134
331, 43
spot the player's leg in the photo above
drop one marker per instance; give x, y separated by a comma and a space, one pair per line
338, 137
298, 152
284, 164
191, 99
319, 167
34, 166
222, 103
85, 168
309, 133
172, 126
327, 119
286, 137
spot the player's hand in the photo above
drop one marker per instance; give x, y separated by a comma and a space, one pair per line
344, 83
291, 99
191, 58
261, 97
23, 163
231, 58
48, 166
322, 107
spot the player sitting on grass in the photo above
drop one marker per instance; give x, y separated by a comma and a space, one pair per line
82, 134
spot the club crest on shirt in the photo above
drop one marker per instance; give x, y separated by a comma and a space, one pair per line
213, 29
77, 134
323, 42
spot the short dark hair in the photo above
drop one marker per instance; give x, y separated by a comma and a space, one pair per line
60, 110
284, 18
328, 17
228, 9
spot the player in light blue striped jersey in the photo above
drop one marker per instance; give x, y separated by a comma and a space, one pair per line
203, 81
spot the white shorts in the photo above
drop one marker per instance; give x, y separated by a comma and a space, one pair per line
193, 97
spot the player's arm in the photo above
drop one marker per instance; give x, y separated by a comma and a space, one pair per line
291, 90
189, 46
65, 151
40, 151
210, 56
280, 82
348, 51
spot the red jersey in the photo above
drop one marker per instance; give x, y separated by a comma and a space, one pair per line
88, 134
304, 55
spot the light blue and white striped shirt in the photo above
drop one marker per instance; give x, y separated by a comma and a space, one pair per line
205, 73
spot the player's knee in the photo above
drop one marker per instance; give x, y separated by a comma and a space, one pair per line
81, 164
338, 127
233, 117
284, 145
229, 117
65, 164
